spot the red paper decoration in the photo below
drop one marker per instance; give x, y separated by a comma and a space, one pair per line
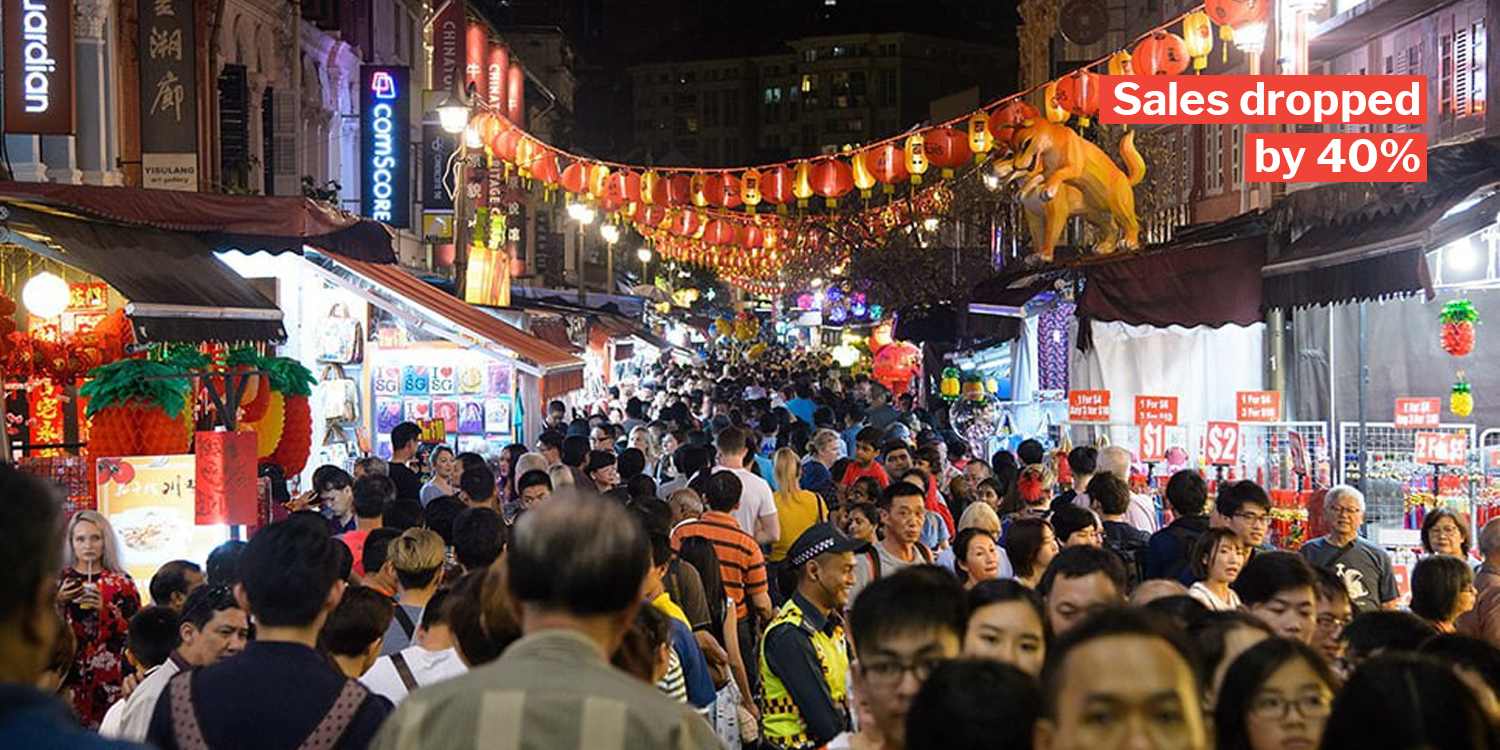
719, 232
722, 190
831, 178
1233, 13
1162, 53
615, 193
504, 147
546, 168
776, 185
679, 189
888, 163
632, 185
1078, 92
575, 177
687, 223
225, 478
1005, 118
750, 236
947, 149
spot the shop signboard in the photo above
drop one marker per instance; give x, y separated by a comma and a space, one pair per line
1257, 406
1441, 448
1088, 406
169, 100
38, 39
438, 146
385, 130
152, 503
1418, 413
449, 37
1153, 442
1160, 410
1221, 443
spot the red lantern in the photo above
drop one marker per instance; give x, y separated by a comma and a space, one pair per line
750, 235
1005, 118
1078, 92
575, 177
546, 168
687, 223
719, 232
831, 178
1160, 54
722, 190
679, 189
504, 147
1234, 13
654, 216
947, 149
614, 191
776, 186
888, 163
632, 186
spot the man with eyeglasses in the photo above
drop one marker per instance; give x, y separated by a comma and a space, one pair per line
1335, 610
1246, 508
904, 625
1365, 568
211, 627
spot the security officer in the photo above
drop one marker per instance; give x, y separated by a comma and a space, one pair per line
804, 660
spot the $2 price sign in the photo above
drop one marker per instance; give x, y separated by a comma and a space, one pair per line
1221, 443
1441, 448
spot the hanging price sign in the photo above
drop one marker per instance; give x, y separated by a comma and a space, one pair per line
1417, 413
1446, 448
1257, 406
1161, 410
1221, 443
1088, 406
1153, 445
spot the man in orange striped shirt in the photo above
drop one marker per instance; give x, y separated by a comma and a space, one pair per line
742, 566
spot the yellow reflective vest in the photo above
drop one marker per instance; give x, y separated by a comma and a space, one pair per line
781, 720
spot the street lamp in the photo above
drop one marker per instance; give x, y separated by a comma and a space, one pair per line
610, 233
584, 215
453, 116
644, 253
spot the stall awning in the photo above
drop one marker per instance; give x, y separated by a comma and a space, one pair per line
555, 332
1207, 285
177, 289
248, 223
1357, 241
402, 293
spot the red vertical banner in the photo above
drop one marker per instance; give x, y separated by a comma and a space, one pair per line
225, 479
476, 52
449, 38
497, 66
515, 95
46, 422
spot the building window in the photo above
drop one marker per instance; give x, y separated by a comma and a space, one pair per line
888, 88
1213, 157
1236, 141
809, 55
1461, 88
809, 83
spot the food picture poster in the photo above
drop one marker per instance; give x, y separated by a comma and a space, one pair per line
150, 502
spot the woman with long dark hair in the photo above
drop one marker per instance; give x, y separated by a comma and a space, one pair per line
1407, 702
1276, 695
1442, 588
1030, 544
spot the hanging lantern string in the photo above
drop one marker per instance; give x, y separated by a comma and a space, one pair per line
1089, 66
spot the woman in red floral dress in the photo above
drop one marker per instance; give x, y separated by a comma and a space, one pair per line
98, 599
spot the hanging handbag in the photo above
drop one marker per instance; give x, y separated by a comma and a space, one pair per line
339, 337
338, 395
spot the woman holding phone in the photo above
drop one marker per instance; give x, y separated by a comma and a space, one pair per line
97, 599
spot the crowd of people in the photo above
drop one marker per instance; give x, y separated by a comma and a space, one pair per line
776, 555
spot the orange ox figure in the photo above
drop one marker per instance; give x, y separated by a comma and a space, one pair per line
1063, 175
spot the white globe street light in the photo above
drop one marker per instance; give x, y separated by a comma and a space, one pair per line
45, 295
644, 254
610, 233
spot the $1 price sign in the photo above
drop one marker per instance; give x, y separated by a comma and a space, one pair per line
1221, 443
1153, 440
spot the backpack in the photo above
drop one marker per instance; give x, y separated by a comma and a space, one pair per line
188, 733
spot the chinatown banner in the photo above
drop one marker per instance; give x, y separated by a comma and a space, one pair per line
38, 40
449, 35
169, 105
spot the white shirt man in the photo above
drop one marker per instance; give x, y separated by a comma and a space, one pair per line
212, 627
431, 658
1142, 512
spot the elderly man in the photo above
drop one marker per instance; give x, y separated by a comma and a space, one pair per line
1365, 568
1142, 512
1484, 620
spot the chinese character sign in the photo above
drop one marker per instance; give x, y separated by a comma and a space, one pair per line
169, 105
1417, 413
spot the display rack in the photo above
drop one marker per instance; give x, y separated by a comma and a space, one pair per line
1398, 490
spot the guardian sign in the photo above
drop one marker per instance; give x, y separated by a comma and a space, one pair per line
385, 144
38, 42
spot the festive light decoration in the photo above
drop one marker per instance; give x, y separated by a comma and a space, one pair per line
948, 386
1160, 53
947, 149
1078, 93
750, 189
831, 178
1198, 38
1055, 112
1119, 64
1458, 318
916, 157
